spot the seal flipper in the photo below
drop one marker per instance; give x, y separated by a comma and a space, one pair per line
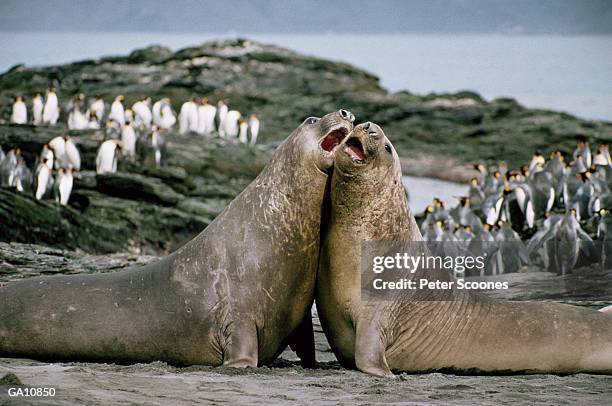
370, 350
242, 349
302, 342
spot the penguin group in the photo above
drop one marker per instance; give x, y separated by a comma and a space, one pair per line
136, 132
559, 207
196, 116
44, 110
53, 174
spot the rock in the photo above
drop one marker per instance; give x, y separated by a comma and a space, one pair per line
143, 208
23, 219
27, 260
137, 187
10, 379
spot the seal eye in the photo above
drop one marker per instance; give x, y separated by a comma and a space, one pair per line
388, 148
312, 120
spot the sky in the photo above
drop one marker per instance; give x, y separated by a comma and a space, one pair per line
563, 17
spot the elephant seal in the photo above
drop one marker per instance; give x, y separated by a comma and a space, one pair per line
236, 294
453, 330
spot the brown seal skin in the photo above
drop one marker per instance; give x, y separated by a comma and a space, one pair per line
460, 330
236, 294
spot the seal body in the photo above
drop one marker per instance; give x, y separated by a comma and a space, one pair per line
235, 295
454, 329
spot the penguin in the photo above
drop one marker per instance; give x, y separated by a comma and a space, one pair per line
538, 246
73, 157
47, 156
43, 179
188, 117
37, 109
20, 112
428, 220
511, 255
482, 173
128, 140
492, 207
159, 146
605, 152
206, 117
8, 166
542, 193
521, 198
143, 117
98, 108
475, 194
222, 110
441, 214
536, 160
112, 130
243, 130
254, 128
63, 186
76, 119
556, 167
493, 184
58, 145
604, 235
77, 101
584, 198
569, 246
94, 122
163, 116
483, 244
106, 159
22, 177
464, 236
435, 232
156, 111
168, 119
51, 108
230, 124
463, 215
117, 111
583, 150
128, 116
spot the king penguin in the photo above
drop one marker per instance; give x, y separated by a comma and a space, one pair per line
20, 111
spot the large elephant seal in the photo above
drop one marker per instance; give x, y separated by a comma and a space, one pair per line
458, 330
236, 294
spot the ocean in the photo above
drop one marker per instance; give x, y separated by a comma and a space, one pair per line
566, 73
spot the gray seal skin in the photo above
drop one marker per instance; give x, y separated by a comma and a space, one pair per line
459, 330
236, 294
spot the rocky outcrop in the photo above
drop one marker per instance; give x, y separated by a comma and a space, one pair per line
284, 87
141, 208
146, 209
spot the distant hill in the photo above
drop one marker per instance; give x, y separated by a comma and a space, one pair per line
355, 16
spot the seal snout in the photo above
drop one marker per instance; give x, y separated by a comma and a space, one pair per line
347, 115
